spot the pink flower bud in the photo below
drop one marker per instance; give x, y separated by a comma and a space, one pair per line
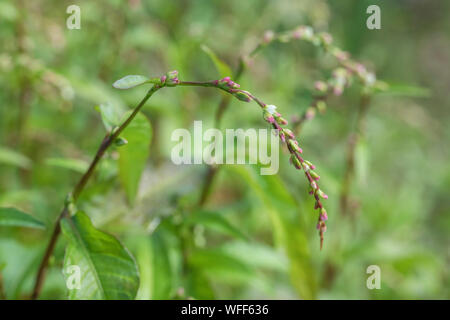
323, 215
342, 55
320, 86
338, 90
326, 38
310, 113
283, 121
268, 36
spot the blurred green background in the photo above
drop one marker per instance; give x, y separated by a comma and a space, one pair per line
255, 238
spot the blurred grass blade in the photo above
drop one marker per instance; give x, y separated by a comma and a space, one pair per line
257, 255
77, 165
221, 265
133, 155
396, 89
215, 222
13, 217
107, 269
14, 158
160, 266
289, 231
361, 160
130, 81
223, 68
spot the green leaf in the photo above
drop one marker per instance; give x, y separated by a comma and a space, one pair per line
130, 81
289, 230
220, 265
77, 165
133, 155
13, 217
215, 222
111, 114
14, 158
160, 261
107, 269
154, 260
223, 69
257, 255
395, 89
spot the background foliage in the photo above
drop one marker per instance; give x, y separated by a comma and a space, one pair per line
255, 237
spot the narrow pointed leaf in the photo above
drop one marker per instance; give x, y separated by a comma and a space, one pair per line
133, 155
77, 165
398, 89
13, 217
130, 81
106, 268
111, 114
216, 222
14, 158
223, 68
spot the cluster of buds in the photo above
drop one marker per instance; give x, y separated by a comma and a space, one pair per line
170, 79
303, 32
232, 87
325, 41
342, 76
277, 121
340, 79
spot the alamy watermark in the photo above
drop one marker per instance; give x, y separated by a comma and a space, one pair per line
236, 146
374, 20
73, 277
74, 20
374, 280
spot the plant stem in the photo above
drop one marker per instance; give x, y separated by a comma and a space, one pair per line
353, 140
106, 143
2, 291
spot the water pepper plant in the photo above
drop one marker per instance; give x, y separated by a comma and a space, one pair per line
109, 270
70, 218
348, 72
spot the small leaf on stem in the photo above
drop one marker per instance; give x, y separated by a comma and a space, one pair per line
130, 81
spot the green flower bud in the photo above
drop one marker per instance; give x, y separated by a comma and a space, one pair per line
296, 162
171, 79
314, 175
306, 167
321, 106
120, 142
322, 194
310, 164
289, 133
242, 95
294, 145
